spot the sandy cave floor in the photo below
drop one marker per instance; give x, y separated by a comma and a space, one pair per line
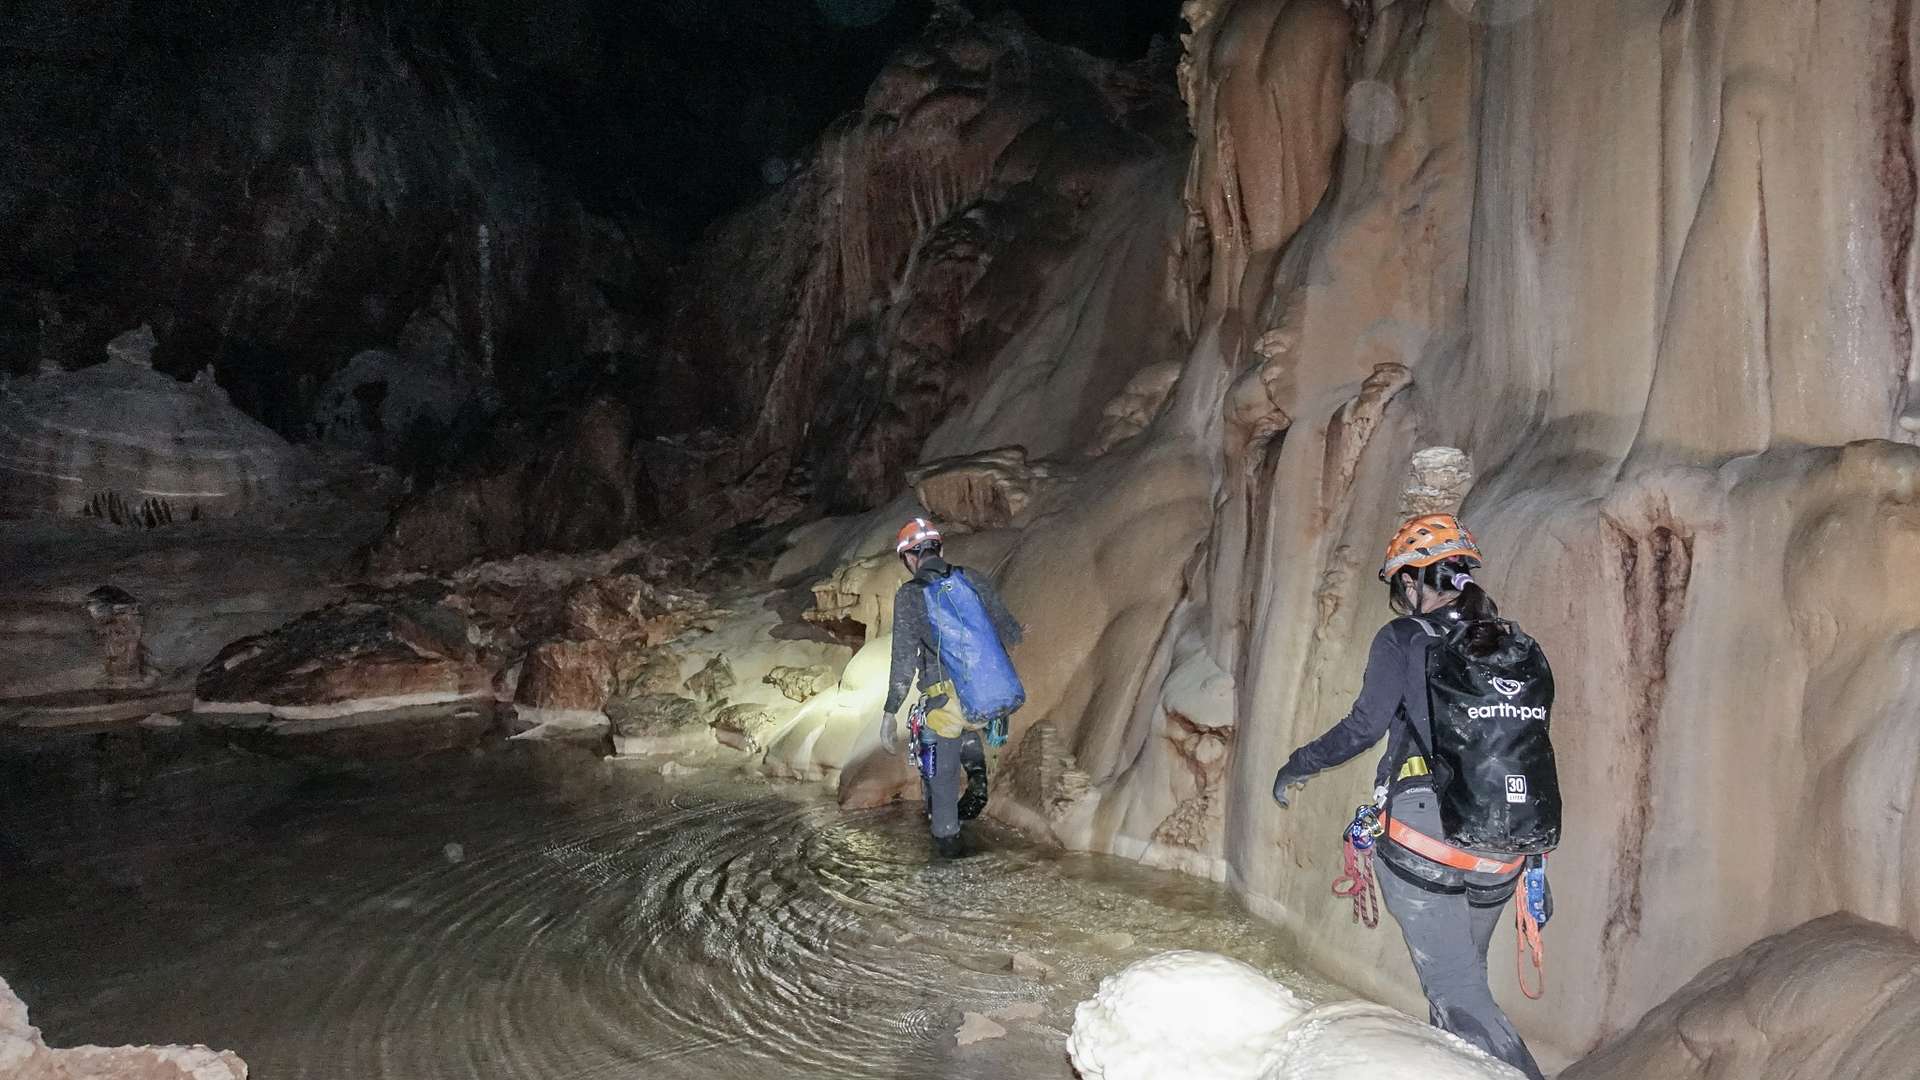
534, 911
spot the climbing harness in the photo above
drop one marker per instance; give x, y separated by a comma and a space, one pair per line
1358, 883
920, 750
1446, 854
1530, 913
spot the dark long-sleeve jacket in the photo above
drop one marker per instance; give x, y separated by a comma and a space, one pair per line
914, 651
1392, 702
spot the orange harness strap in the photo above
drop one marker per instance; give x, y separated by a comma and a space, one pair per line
1446, 854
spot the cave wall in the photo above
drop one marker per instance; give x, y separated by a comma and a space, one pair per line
1658, 291
276, 189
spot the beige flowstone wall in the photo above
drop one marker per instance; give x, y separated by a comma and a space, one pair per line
1648, 264
1659, 292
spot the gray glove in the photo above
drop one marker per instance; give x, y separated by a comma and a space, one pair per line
890, 733
1284, 779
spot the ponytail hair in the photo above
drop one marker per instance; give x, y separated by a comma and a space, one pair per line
1478, 613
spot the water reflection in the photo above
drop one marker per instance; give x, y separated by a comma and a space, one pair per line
537, 913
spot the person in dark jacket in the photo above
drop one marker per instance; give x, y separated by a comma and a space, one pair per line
956, 743
1447, 914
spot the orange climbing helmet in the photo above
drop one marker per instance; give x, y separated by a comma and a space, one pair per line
917, 533
1427, 539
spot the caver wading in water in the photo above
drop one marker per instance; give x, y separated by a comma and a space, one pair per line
950, 630
1471, 798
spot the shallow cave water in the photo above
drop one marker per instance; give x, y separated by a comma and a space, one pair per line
537, 911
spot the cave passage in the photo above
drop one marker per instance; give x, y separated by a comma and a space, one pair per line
534, 911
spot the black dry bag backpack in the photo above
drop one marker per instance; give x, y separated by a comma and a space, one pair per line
1491, 755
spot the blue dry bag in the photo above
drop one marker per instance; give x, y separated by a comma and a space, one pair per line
970, 649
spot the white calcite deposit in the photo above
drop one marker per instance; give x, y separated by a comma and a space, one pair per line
1202, 1016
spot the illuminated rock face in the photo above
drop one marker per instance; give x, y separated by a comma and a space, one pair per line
125, 443
1672, 347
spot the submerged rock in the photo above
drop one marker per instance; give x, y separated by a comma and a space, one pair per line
977, 1027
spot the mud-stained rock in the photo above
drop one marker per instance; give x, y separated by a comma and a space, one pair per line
857, 600
656, 723
743, 726
621, 608
980, 491
801, 684
116, 617
1040, 772
1837, 998
712, 682
352, 657
1129, 413
1437, 482
130, 445
567, 678
24, 1055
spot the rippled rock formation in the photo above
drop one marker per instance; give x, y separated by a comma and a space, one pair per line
25, 1056
1835, 997
125, 443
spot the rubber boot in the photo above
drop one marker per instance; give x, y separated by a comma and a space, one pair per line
950, 847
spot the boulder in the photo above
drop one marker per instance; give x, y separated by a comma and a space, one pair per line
622, 607
357, 656
801, 683
567, 680
744, 726
1837, 998
24, 1055
657, 723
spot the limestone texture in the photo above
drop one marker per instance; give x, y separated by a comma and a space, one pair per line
1605, 303
1833, 997
133, 446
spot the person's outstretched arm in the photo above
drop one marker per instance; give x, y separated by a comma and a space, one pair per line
1381, 692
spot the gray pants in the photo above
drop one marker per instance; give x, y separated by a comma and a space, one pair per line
950, 758
1448, 917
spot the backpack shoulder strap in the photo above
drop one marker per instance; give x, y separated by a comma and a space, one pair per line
1418, 704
